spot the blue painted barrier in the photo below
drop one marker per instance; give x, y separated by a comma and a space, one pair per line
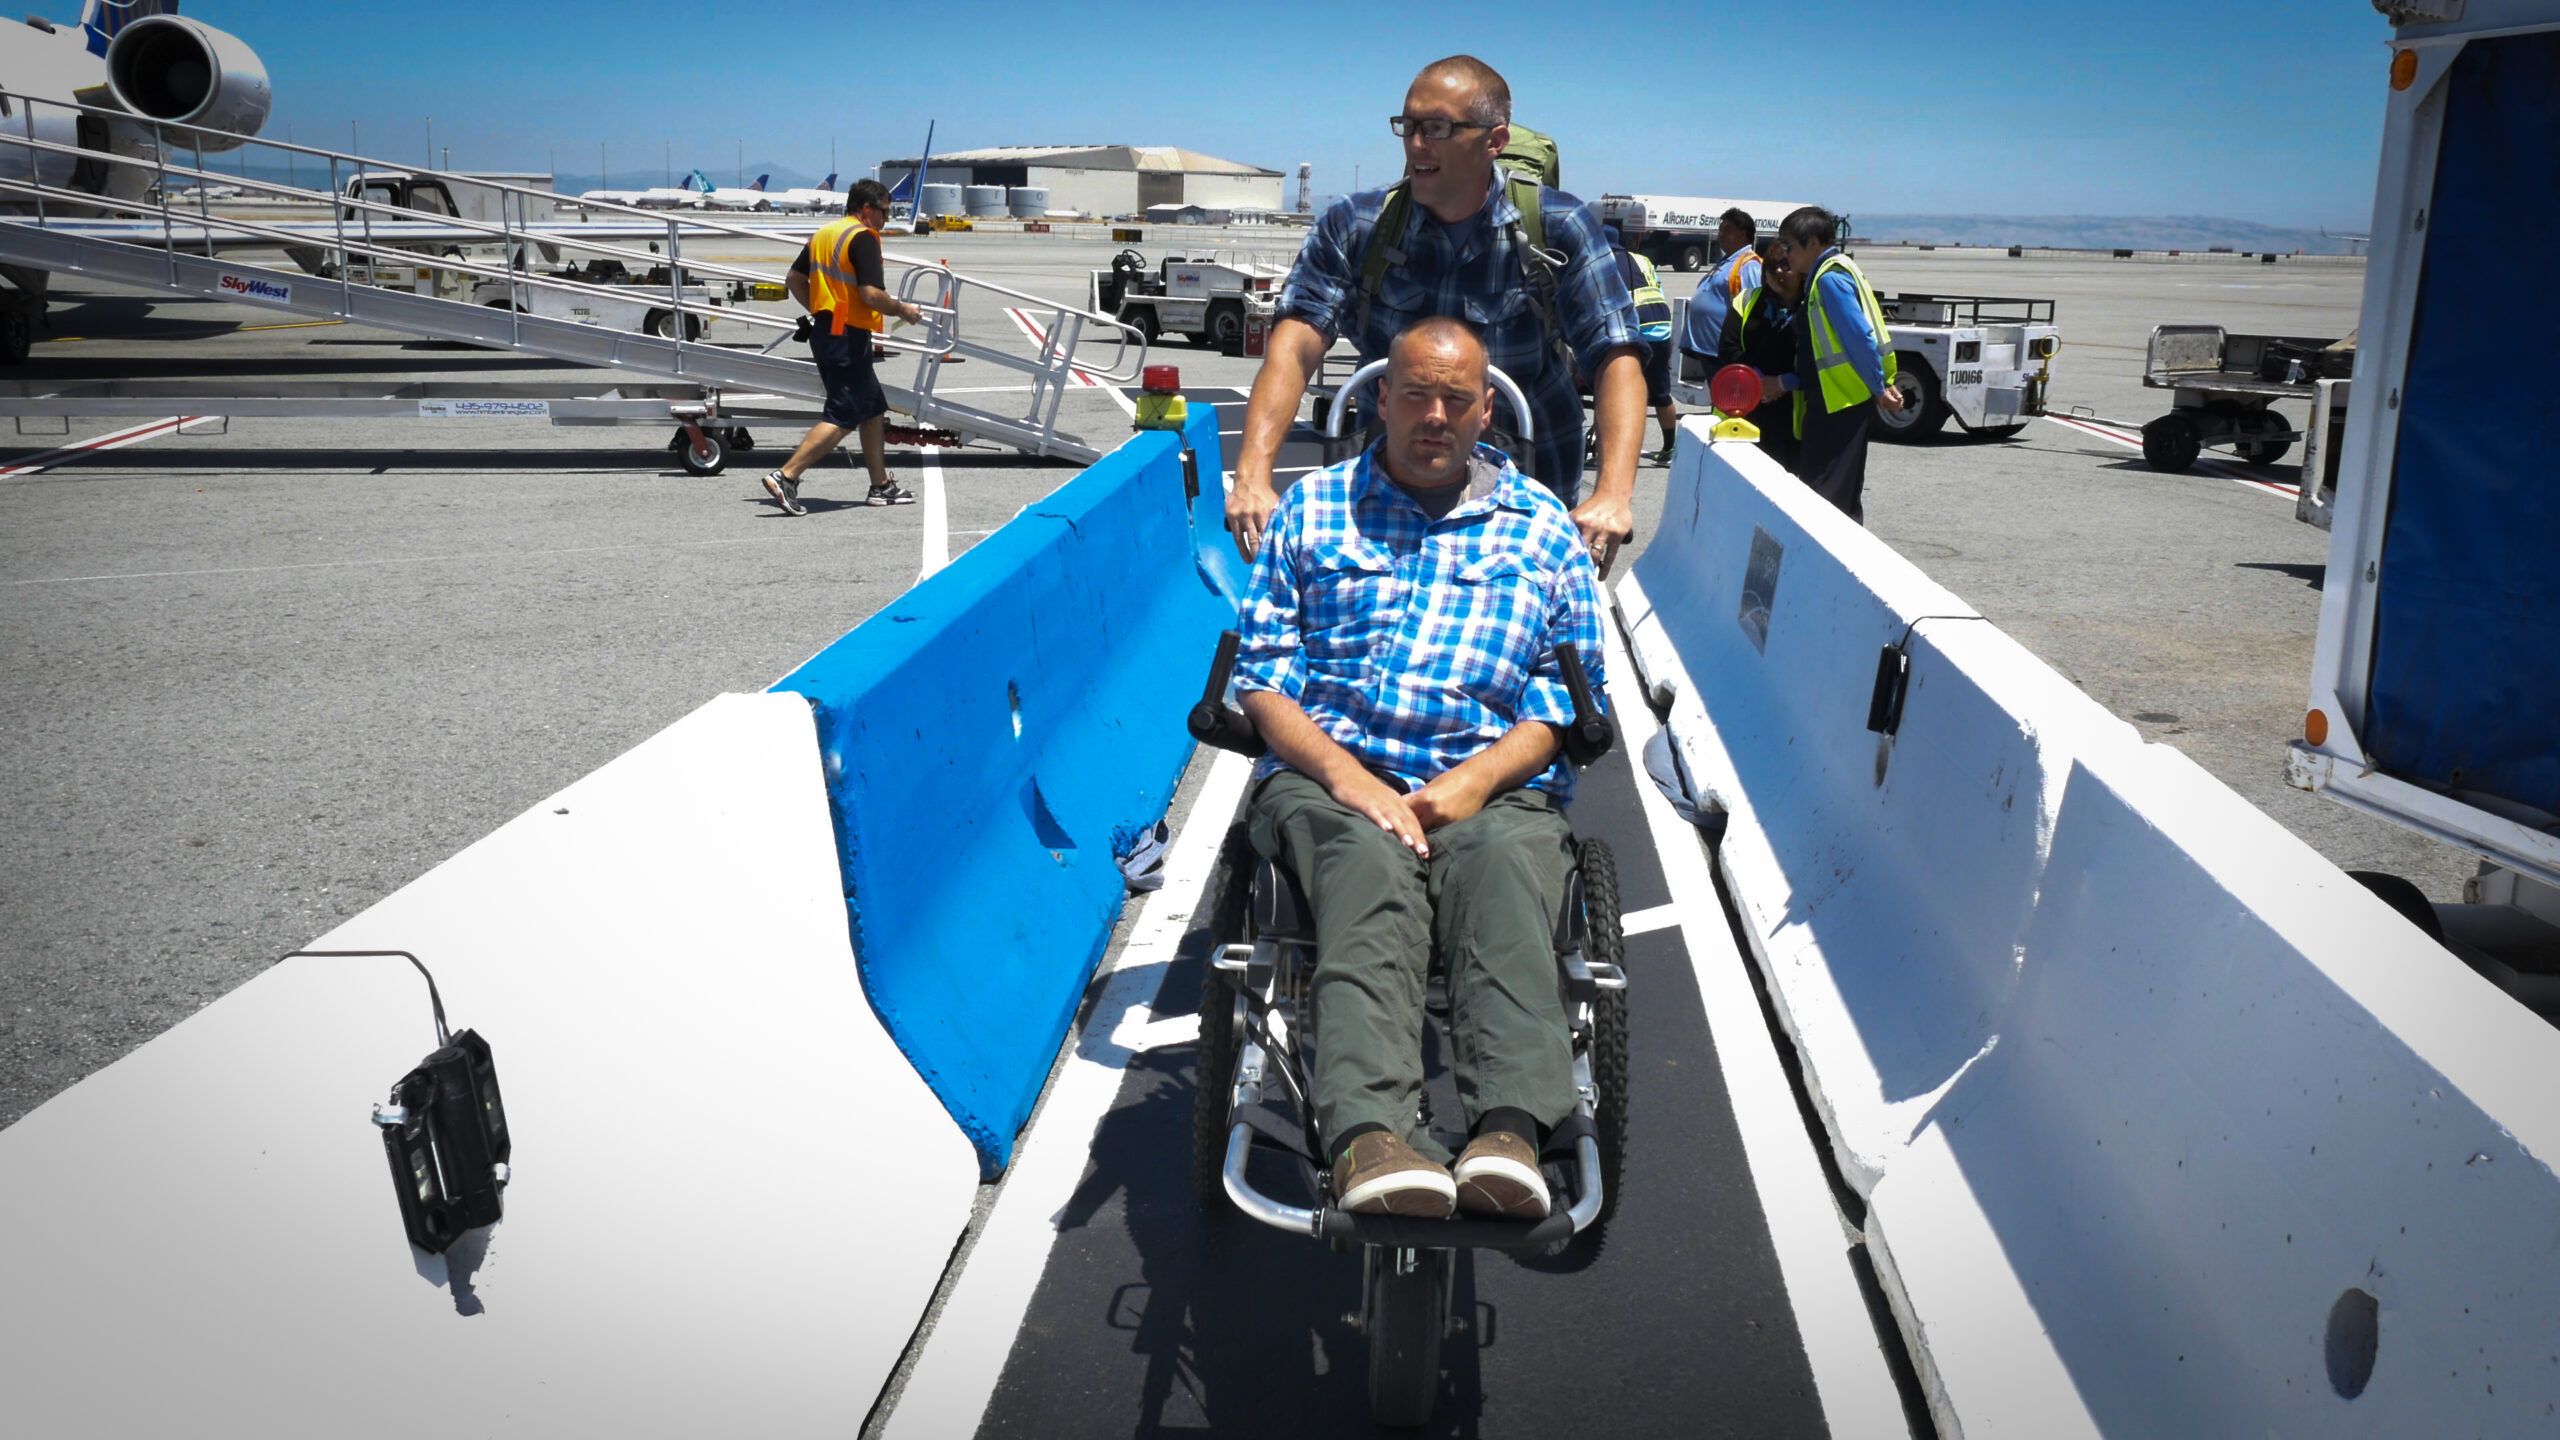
993, 740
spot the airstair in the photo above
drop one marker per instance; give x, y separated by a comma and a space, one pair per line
496, 275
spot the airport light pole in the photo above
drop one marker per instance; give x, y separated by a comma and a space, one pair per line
742, 162
431, 139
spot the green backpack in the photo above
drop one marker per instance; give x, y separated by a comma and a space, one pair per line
1533, 154
1528, 162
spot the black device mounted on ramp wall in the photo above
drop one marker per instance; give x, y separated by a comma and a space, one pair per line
444, 1129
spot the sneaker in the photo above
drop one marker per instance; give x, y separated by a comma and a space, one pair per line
1498, 1177
1662, 456
888, 494
785, 492
1381, 1175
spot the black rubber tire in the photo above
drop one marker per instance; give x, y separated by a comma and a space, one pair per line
2172, 443
2254, 451
2401, 895
740, 442
1691, 256
1214, 1068
1406, 1315
1926, 415
17, 337
696, 462
2002, 432
1147, 324
1226, 327
1604, 942
662, 324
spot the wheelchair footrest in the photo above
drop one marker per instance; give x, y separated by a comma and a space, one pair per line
1453, 1234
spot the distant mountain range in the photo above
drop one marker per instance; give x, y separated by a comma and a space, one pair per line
2097, 232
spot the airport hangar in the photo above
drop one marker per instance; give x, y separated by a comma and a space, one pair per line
1104, 179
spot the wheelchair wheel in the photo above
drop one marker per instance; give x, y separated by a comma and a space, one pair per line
1215, 1066
1405, 1311
1605, 942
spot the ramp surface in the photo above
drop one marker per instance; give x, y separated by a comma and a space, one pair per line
732, 1198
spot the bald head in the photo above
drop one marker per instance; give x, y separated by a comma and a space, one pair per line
1478, 88
1434, 402
1436, 338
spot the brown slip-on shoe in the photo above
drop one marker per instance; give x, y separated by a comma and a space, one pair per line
1498, 1177
1381, 1175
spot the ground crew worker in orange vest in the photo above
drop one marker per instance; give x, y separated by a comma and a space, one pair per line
838, 279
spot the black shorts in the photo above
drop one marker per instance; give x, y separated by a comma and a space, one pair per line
844, 363
1657, 373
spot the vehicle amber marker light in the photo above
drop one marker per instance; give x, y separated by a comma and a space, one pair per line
2404, 69
2315, 727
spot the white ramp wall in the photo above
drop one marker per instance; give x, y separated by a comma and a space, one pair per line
733, 1197
2164, 1125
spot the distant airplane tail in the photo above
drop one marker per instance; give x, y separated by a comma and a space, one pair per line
103, 18
829, 183
699, 183
759, 185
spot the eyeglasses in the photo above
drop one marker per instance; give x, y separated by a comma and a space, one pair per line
1431, 127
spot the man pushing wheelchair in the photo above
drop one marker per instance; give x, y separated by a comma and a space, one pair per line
1398, 657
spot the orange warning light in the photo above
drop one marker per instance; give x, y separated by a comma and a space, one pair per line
2404, 69
2315, 727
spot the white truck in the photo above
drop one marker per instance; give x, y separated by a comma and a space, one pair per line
1679, 231
1215, 299
648, 307
1983, 361
2436, 669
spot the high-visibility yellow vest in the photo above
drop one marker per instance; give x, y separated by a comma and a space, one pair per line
1842, 385
832, 288
1653, 308
1743, 305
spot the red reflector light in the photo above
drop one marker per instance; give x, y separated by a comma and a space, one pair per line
1160, 379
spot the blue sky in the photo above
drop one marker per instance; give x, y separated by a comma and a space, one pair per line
2266, 110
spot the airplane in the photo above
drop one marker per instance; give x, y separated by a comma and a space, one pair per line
729, 197
811, 202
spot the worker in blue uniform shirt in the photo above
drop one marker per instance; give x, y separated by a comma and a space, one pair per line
1737, 269
1844, 362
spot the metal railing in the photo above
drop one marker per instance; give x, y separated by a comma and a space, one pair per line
365, 233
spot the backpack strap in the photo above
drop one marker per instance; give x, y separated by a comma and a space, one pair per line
1381, 252
1529, 238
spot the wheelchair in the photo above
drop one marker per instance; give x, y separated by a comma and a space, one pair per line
1255, 1095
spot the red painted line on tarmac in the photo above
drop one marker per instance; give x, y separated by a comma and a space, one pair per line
1040, 337
112, 440
2221, 467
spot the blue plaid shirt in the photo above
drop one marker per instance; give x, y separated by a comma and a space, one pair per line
1469, 271
1415, 643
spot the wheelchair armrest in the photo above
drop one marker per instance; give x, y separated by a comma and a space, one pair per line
1280, 910
1212, 720
1592, 732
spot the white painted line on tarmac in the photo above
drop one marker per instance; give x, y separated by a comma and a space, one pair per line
2220, 467
955, 1376
937, 516
468, 555
112, 440
1646, 921
1858, 1393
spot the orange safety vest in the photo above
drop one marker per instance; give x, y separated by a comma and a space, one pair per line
832, 289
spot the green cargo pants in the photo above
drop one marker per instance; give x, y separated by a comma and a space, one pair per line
1488, 898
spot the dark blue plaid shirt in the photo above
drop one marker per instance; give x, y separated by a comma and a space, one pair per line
1416, 643
1469, 271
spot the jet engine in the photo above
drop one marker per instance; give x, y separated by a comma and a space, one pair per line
185, 71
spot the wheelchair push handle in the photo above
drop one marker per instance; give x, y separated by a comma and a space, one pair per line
1591, 733
1212, 721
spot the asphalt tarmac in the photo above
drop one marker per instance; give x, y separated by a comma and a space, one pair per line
254, 681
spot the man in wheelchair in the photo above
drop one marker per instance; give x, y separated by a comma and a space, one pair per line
1398, 658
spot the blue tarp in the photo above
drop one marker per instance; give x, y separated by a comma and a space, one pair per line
2466, 657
